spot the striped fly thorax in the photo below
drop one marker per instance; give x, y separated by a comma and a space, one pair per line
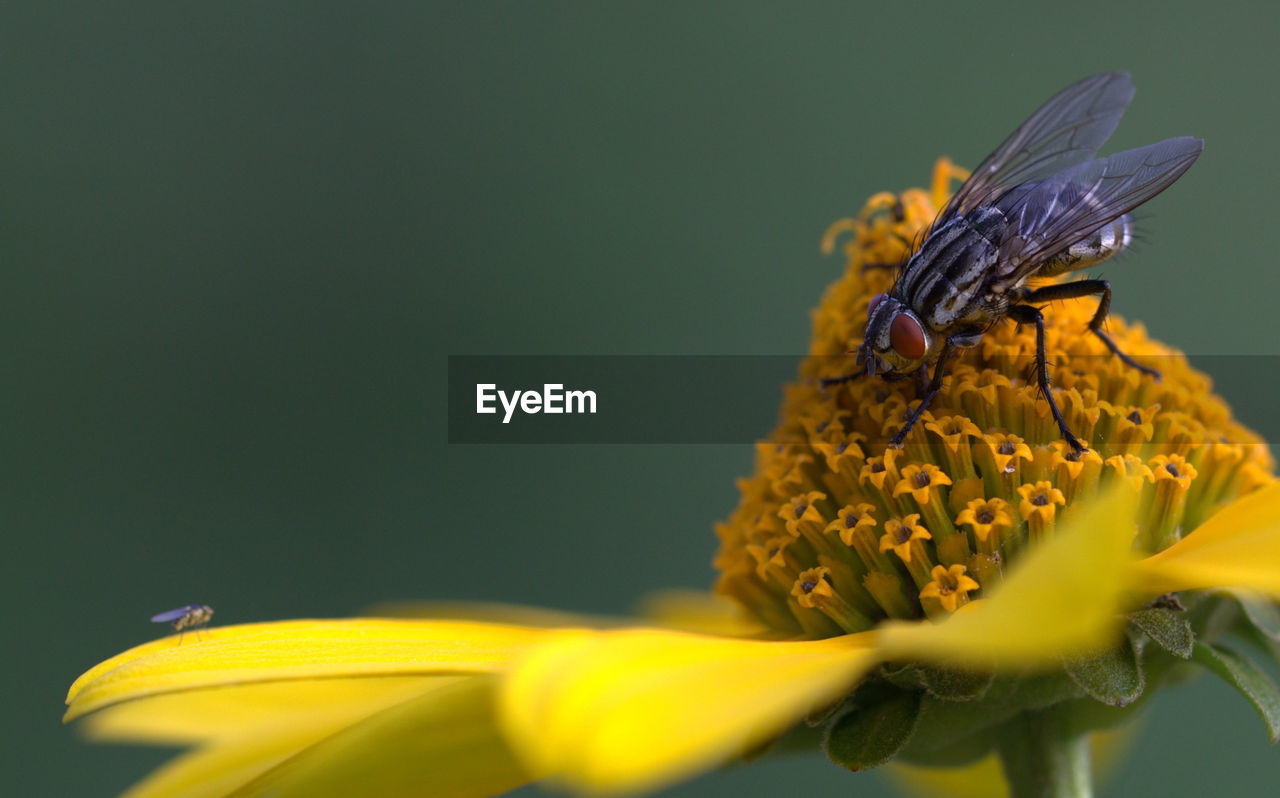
947, 281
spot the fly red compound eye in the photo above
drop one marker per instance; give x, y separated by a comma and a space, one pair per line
906, 337
875, 300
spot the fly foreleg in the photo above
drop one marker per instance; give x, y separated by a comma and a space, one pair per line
831, 382
1027, 314
930, 391
1100, 288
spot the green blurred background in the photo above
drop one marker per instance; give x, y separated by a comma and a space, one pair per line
239, 240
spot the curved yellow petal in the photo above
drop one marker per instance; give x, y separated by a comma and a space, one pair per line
493, 612
1238, 547
626, 710
195, 716
217, 769
698, 611
981, 779
298, 650
441, 742
1063, 598
444, 744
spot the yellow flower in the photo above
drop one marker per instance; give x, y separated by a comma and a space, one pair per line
892, 596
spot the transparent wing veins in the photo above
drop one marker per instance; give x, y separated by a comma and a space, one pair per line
1048, 216
1066, 130
171, 615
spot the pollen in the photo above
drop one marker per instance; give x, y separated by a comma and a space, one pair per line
837, 531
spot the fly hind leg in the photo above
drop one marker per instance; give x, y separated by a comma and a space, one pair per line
1100, 288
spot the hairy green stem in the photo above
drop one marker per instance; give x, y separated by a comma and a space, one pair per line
1042, 758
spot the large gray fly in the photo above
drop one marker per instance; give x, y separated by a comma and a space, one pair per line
1042, 204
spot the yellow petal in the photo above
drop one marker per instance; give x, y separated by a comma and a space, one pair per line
1063, 598
1238, 547
492, 612
441, 742
698, 611
298, 650
216, 769
445, 744
195, 716
633, 709
981, 779
687, 610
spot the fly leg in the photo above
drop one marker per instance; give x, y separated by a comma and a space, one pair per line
930, 391
1081, 288
831, 382
882, 264
1023, 314
922, 384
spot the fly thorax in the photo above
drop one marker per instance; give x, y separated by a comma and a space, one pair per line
951, 272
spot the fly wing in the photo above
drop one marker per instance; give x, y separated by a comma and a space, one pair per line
1051, 215
1067, 130
171, 615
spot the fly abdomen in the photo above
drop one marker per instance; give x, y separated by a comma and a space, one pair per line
1108, 240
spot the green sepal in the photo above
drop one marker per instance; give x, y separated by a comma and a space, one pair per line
820, 715
1114, 678
951, 684
1168, 629
1260, 640
907, 677
953, 732
1248, 679
867, 735
1211, 614
1086, 715
1262, 615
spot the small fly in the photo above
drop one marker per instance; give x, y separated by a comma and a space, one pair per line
1041, 205
192, 616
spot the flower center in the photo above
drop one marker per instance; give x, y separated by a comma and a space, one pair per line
837, 531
